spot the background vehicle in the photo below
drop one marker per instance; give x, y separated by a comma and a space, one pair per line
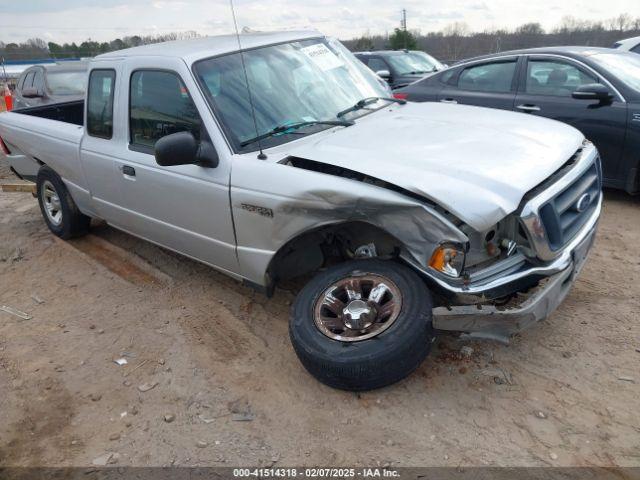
50, 83
629, 45
407, 216
400, 67
597, 90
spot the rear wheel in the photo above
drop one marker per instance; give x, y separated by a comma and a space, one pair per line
60, 212
362, 324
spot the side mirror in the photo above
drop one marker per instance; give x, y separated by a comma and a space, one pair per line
592, 91
182, 148
384, 74
31, 92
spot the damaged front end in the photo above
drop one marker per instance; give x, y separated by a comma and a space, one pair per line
545, 247
489, 283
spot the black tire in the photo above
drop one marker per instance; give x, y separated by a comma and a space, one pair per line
73, 223
372, 363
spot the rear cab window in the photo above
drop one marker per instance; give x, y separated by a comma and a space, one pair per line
100, 103
159, 105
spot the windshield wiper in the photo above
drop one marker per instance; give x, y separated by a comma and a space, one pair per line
291, 127
368, 101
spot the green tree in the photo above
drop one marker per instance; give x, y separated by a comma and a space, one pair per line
400, 39
55, 50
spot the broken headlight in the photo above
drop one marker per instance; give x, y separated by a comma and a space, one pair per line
448, 259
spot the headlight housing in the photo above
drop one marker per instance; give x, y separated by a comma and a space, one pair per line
448, 259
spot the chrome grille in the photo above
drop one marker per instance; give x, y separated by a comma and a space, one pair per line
557, 211
564, 215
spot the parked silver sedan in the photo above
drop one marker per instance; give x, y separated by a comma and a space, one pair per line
51, 83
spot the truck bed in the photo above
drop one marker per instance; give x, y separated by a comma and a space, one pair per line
68, 112
48, 134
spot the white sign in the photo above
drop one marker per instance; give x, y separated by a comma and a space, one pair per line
322, 56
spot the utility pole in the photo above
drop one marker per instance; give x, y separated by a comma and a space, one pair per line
403, 23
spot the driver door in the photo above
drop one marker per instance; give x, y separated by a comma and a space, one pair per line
185, 208
545, 89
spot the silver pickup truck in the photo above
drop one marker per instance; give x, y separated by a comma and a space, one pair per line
278, 156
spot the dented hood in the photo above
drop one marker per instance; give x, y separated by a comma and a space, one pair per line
476, 162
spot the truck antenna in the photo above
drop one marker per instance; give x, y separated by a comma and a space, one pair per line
261, 155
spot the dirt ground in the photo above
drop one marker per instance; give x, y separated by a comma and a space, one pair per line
223, 387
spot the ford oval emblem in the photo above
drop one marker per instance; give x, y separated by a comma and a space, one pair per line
583, 202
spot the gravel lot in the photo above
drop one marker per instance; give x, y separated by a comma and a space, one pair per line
211, 378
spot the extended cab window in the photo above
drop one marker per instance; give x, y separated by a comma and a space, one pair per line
159, 106
100, 103
489, 77
556, 78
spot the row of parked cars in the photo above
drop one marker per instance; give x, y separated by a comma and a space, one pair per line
596, 90
398, 218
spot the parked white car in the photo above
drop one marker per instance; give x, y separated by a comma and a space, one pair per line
407, 217
629, 45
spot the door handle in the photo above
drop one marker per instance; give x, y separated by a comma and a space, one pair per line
528, 108
448, 100
128, 171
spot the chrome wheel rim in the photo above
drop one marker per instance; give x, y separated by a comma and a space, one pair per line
357, 308
51, 202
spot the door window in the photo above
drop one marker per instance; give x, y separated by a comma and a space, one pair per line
448, 76
159, 106
494, 77
100, 103
636, 49
555, 78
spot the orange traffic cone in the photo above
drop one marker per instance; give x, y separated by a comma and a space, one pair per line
8, 100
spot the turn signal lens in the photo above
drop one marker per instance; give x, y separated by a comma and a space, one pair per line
448, 259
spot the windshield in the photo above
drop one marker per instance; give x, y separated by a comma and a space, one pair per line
67, 83
305, 81
625, 66
408, 63
428, 59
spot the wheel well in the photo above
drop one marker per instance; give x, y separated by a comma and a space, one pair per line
329, 245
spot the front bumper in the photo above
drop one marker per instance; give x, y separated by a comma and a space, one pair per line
488, 321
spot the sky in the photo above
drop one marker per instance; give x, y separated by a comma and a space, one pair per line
101, 20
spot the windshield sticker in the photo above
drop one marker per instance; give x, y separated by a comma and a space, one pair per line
322, 56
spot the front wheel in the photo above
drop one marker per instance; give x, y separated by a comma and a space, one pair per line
363, 324
60, 212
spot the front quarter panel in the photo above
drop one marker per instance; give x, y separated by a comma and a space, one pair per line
273, 203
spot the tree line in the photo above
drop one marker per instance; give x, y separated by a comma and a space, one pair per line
453, 43
457, 41
38, 49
